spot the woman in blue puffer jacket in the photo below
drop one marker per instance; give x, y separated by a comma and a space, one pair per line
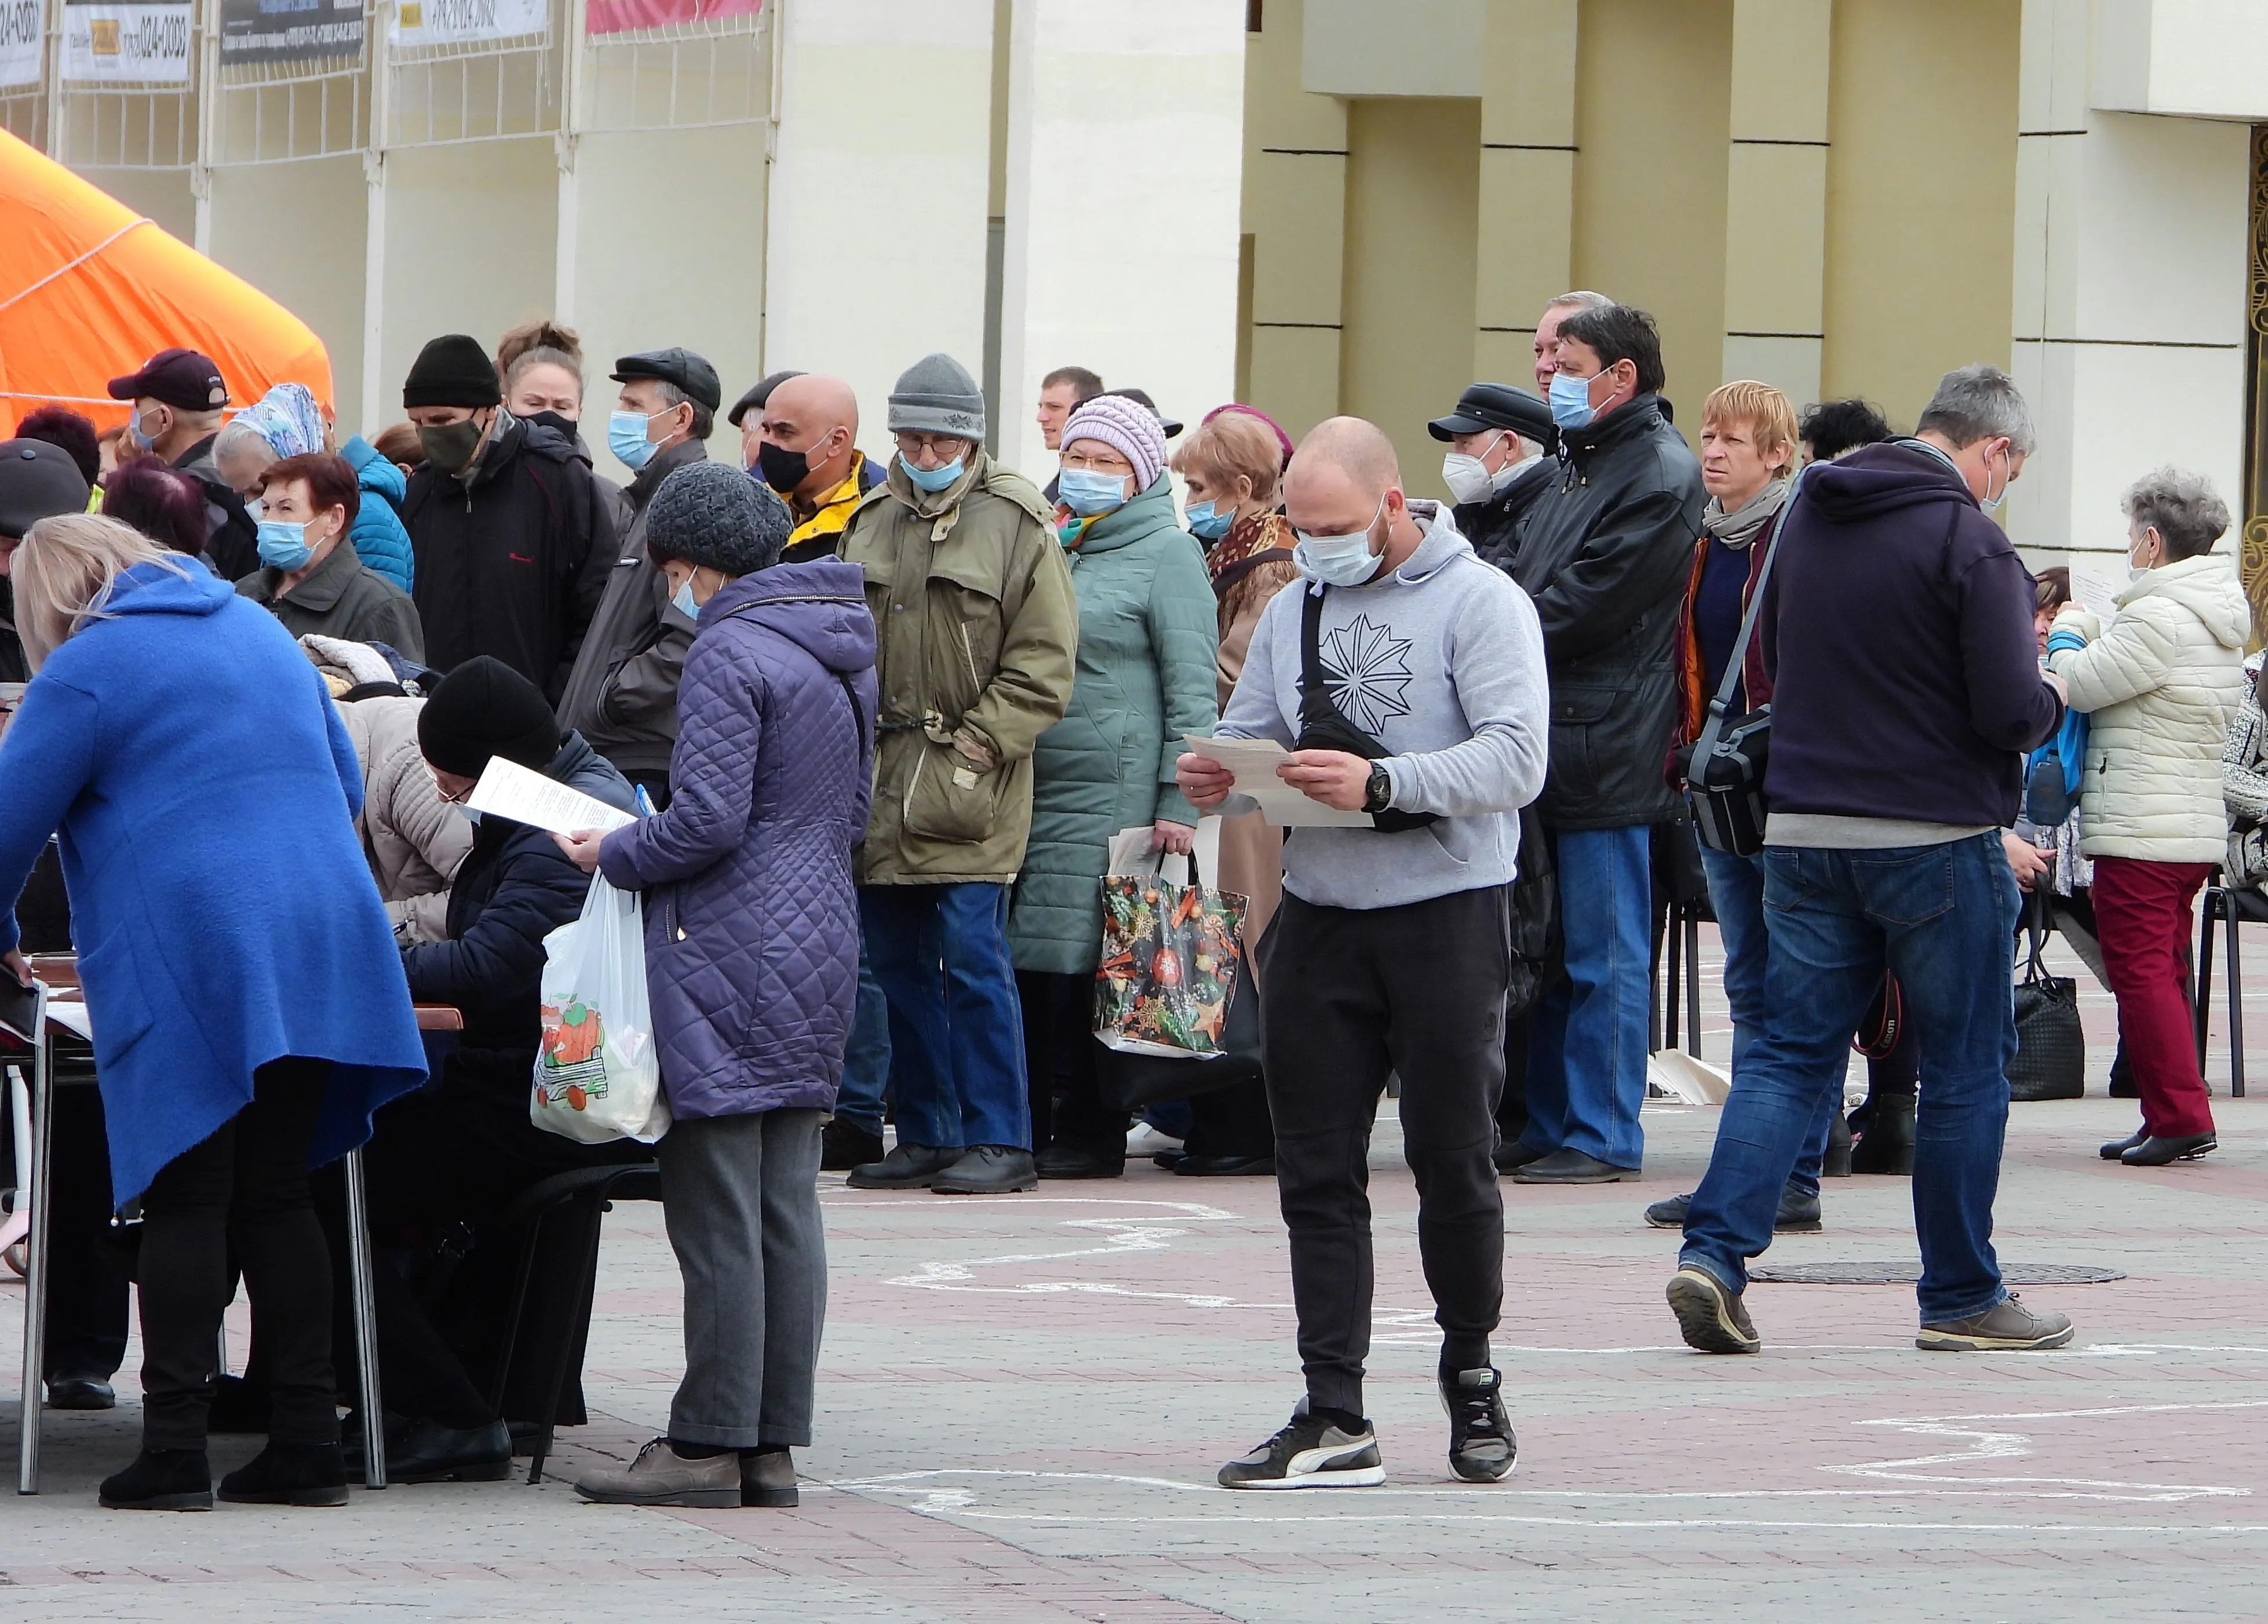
752, 966
288, 422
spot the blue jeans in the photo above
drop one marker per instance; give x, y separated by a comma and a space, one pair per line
866, 1059
1736, 896
1938, 918
940, 955
1588, 1044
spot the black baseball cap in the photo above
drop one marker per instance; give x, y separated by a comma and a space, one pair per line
37, 481
753, 401
180, 378
1484, 407
680, 368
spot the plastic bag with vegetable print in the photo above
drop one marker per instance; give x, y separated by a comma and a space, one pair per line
598, 1076
1168, 968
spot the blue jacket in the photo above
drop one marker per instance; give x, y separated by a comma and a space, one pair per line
378, 538
751, 920
223, 912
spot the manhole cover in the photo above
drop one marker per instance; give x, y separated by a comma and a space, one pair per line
1907, 1274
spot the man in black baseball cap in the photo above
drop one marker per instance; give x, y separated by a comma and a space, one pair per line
177, 396
1493, 468
37, 481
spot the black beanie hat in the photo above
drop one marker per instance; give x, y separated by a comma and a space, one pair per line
452, 371
485, 708
716, 517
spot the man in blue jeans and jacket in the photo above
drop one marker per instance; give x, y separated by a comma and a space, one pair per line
1605, 553
1908, 687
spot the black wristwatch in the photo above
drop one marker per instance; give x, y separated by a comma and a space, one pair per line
1378, 794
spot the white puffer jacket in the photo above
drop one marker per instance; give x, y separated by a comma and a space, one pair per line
2159, 688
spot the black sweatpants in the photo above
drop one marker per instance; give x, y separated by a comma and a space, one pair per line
1060, 1051
245, 1188
1346, 996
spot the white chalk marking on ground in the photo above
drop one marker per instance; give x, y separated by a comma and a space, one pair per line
1985, 1443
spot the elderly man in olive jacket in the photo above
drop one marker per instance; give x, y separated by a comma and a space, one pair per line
979, 629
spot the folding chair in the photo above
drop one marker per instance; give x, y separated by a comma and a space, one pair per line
2231, 905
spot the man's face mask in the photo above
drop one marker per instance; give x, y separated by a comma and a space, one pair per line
450, 446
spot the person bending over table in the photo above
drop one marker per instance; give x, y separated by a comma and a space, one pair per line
243, 1032
447, 1162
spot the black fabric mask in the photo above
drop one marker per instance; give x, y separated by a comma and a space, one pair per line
567, 427
783, 470
451, 446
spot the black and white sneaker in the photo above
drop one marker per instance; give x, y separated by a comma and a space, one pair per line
1310, 1453
1481, 1445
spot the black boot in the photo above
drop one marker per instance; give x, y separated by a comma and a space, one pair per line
844, 1144
161, 1479
1838, 1162
289, 1474
1888, 1144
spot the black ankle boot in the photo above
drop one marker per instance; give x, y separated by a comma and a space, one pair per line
161, 1479
1836, 1164
289, 1474
1888, 1144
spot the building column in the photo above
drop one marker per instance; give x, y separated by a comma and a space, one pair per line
1120, 248
1525, 252
873, 253
1295, 169
2132, 249
1776, 196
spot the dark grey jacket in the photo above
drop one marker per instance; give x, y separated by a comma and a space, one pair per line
1605, 553
341, 598
622, 696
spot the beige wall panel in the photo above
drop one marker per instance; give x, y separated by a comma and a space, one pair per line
1295, 209
1295, 376
471, 247
1776, 198
1393, 47
1504, 358
1280, 111
296, 232
1779, 92
1921, 184
1653, 101
1525, 247
708, 186
1413, 184
162, 195
1526, 200
1790, 365
1528, 95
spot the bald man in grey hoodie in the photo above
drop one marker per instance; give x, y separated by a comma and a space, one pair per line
1428, 709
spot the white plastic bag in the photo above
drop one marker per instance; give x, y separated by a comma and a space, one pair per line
598, 1076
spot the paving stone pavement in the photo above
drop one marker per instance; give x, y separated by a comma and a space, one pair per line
1023, 1401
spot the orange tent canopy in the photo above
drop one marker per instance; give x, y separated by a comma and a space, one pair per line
89, 290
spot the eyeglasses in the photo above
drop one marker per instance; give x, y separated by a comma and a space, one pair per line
941, 446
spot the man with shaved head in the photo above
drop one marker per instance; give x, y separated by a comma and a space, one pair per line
807, 451
622, 694
1406, 681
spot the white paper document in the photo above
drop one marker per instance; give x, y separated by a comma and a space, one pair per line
507, 790
1254, 761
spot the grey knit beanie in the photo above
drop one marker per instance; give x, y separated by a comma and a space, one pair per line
936, 396
716, 517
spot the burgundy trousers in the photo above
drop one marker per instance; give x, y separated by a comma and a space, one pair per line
2144, 915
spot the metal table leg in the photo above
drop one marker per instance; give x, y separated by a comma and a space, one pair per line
365, 1321
35, 1271
2235, 1009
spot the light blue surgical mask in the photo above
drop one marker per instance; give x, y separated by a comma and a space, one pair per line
1992, 504
142, 443
933, 480
283, 546
1571, 401
683, 602
1088, 491
471, 816
626, 438
1208, 521
1343, 560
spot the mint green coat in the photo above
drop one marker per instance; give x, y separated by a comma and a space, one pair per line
1147, 628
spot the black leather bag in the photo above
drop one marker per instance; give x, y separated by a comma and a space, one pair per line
2050, 1061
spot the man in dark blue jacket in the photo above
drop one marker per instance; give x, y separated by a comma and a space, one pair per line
1907, 686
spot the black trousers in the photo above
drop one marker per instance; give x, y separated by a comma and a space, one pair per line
1232, 1121
1348, 995
87, 1271
1059, 1054
244, 1188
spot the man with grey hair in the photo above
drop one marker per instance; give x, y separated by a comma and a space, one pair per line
1907, 685
1547, 331
971, 593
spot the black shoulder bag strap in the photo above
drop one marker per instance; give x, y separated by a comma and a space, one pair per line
1722, 701
1323, 725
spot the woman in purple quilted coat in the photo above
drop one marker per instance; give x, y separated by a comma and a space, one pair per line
752, 964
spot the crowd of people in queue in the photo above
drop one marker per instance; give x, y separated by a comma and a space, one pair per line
879, 723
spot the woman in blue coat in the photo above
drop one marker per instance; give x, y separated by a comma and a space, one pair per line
247, 1001
752, 968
